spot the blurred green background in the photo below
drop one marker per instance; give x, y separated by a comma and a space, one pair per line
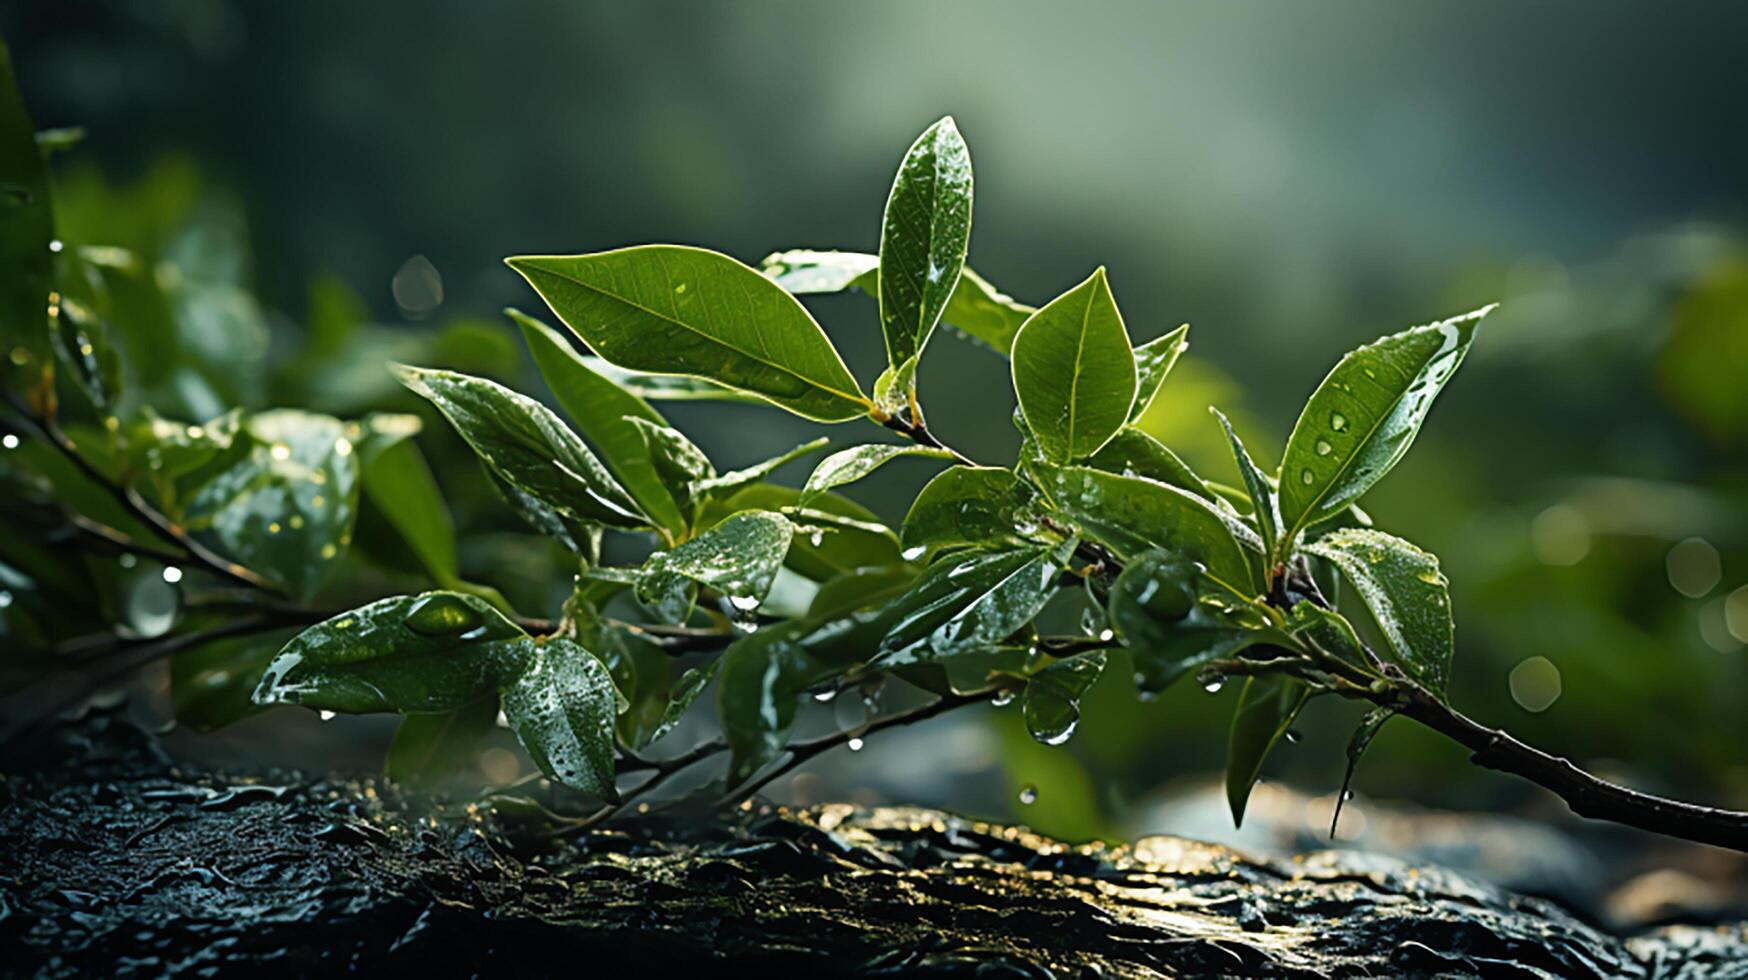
1290, 179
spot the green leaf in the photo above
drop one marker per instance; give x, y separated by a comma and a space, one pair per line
970, 603
430, 749
432, 652
562, 710
1266, 709
673, 309
1364, 416
528, 447
1262, 496
1132, 452
681, 466
730, 482
399, 484
667, 387
968, 505
1160, 609
1052, 698
837, 535
1074, 372
607, 415
984, 313
1153, 361
923, 239
1328, 632
26, 228
1133, 515
849, 465
738, 558
764, 674
282, 501
1407, 594
1361, 740
684, 693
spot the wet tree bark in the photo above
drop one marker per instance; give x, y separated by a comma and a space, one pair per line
114, 862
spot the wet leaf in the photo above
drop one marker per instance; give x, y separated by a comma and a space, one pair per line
1153, 361
1329, 633
1407, 594
738, 558
970, 603
1161, 610
1364, 416
764, 674
667, 387
1134, 515
525, 445
282, 501
1132, 452
849, 465
683, 694
607, 415
923, 238
562, 710
837, 535
674, 309
1074, 372
730, 482
430, 749
1052, 698
1266, 709
681, 466
968, 505
1262, 496
432, 652
1361, 740
985, 313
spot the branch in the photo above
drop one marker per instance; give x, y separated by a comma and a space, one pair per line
192, 551
1587, 795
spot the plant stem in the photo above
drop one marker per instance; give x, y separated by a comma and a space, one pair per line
1587, 795
192, 551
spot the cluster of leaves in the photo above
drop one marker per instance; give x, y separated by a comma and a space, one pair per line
767, 592
1178, 572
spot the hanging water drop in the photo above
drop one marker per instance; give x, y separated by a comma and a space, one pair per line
912, 554
855, 744
1213, 684
1003, 697
325, 715
1028, 794
1292, 736
825, 696
1337, 421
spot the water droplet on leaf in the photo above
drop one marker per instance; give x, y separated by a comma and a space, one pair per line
1028, 794
442, 615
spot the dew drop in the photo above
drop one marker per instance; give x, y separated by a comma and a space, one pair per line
1307, 477
855, 744
1028, 794
1293, 736
1324, 448
325, 715
912, 554
1213, 684
172, 574
1337, 421
442, 615
825, 695
1003, 698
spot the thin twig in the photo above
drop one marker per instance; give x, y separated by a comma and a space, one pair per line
193, 552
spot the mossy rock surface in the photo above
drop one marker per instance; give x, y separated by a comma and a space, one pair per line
116, 862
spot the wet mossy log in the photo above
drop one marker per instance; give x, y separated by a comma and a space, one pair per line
114, 862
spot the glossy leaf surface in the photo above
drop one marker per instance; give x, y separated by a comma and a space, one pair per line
923, 239
1074, 371
849, 465
1364, 416
967, 505
562, 710
1407, 594
1051, 701
1266, 709
674, 309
